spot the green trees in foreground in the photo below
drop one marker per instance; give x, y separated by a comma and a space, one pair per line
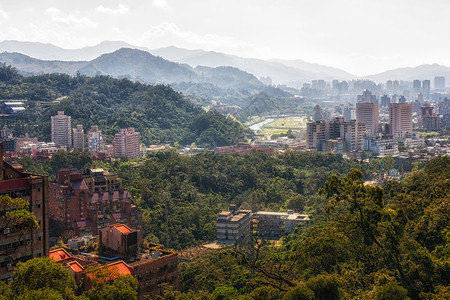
43, 278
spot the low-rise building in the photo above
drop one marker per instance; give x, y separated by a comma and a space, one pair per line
153, 267
380, 146
234, 226
273, 225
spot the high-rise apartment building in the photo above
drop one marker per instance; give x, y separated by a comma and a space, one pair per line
318, 133
127, 143
426, 88
78, 138
16, 244
439, 84
95, 139
369, 114
400, 117
62, 130
417, 86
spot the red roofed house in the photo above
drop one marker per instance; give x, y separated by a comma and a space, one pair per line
18, 245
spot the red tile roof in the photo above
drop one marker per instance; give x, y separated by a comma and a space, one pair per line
123, 228
59, 254
74, 265
121, 267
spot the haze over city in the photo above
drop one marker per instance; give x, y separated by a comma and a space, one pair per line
361, 37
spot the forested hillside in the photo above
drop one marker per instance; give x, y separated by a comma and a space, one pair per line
159, 113
390, 242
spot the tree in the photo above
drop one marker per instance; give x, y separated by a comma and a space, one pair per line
105, 283
300, 292
42, 273
16, 216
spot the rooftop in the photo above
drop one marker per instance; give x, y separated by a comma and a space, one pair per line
122, 228
74, 265
59, 254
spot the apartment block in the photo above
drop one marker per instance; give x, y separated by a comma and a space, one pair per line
400, 117
369, 114
62, 130
19, 245
234, 226
273, 225
78, 138
318, 133
95, 139
127, 143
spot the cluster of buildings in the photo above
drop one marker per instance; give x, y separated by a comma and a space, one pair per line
65, 138
86, 202
95, 206
152, 267
367, 126
236, 227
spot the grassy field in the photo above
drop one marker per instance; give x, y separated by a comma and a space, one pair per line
283, 125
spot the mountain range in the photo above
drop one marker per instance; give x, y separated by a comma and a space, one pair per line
92, 60
137, 65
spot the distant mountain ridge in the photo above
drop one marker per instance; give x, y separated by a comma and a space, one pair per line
422, 72
289, 72
292, 73
285, 72
138, 65
51, 52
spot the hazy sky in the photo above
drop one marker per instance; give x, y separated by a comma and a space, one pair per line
361, 36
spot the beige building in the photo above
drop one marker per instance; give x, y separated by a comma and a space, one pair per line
369, 114
234, 226
318, 133
400, 117
275, 224
78, 138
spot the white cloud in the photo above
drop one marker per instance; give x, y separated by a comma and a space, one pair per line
166, 33
3, 14
69, 19
120, 10
160, 3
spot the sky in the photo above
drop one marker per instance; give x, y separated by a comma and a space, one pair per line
360, 36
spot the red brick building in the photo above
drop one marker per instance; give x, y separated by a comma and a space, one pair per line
83, 211
18, 245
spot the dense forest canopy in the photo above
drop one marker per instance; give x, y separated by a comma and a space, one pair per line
159, 113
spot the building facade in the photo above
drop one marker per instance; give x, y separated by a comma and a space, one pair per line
369, 114
234, 227
95, 139
78, 208
62, 130
273, 225
400, 117
78, 138
19, 245
318, 133
127, 143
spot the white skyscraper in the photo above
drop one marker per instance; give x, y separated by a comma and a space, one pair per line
61, 130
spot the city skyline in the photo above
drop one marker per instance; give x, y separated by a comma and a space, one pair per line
361, 37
